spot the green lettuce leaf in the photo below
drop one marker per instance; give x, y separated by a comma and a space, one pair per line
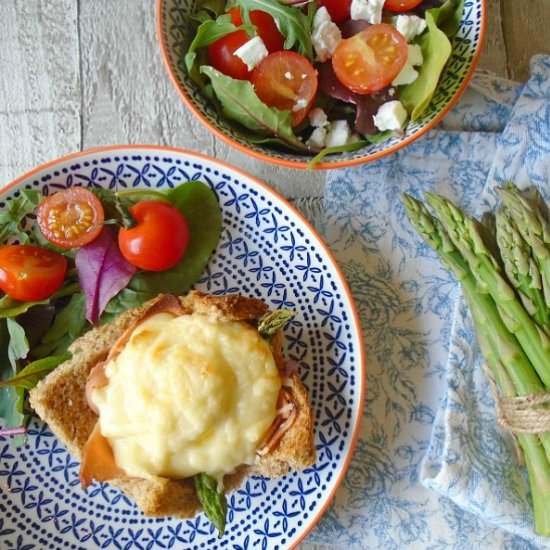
28, 377
436, 50
348, 148
18, 347
294, 24
13, 215
241, 104
199, 205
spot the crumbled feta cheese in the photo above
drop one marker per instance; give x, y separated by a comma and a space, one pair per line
408, 74
414, 55
339, 133
318, 118
390, 116
369, 10
325, 35
289, 75
317, 138
300, 104
252, 52
409, 25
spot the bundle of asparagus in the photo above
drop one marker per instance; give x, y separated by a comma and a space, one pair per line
507, 287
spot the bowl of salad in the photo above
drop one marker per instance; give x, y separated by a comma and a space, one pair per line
320, 83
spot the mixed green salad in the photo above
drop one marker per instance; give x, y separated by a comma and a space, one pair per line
82, 256
321, 76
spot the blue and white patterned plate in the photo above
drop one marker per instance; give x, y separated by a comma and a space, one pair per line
267, 250
174, 33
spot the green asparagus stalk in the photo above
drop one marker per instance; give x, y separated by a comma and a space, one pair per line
520, 371
533, 228
464, 233
536, 461
521, 268
512, 370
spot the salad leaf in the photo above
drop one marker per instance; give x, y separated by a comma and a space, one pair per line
274, 321
124, 300
199, 205
208, 9
13, 215
449, 16
213, 502
18, 348
366, 105
115, 208
348, 148
293, 23
36, 322
209, 31
8, 395
28, 377
379, 137
103, 272
13, 308
69, 321
436, 50
241, 104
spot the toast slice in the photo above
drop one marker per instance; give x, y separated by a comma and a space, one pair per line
59, 399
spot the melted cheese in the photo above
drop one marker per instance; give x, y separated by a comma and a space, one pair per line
188, 394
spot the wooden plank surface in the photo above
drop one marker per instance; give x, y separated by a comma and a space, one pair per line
526, 27
39, 83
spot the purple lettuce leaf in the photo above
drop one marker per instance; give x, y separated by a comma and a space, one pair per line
103, 273
367, 105
351, 27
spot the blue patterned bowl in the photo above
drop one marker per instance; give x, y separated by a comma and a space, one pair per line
174, 37
267, 250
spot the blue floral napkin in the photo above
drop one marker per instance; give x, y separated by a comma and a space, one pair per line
469, 459
431, 469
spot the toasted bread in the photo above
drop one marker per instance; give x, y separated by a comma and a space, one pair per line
59, 399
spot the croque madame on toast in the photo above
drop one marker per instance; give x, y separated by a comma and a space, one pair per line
178, 399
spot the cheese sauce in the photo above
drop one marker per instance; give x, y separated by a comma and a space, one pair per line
188, 394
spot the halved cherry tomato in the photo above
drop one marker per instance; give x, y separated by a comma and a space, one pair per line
286, 80
71, 218
339, 10
30, 273
370, 60
221, 54
159, 239
265, 25
401, 5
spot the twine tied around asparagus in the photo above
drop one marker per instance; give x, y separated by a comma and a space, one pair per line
523, 414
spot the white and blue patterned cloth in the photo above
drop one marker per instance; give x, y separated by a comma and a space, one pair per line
431, 469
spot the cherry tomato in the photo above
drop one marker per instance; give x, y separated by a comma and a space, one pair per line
71, 218
30, 273
401, 5
339, 10
370, 60
265, 25
158, 240
286, 80
222, 55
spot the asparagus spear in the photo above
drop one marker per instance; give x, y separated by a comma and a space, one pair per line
533, 228
536, 461
521, 267
519, 369
464, 233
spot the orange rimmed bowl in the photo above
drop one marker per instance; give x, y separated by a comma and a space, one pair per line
174, 33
